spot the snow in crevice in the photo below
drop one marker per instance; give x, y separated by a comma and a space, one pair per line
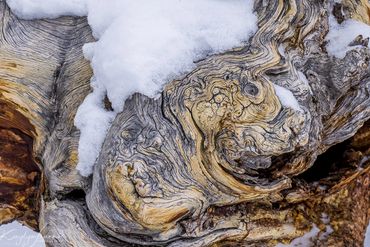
304, 79
287, 98
303, 241
33, 9
341, 35
367, 236
308, 239
141, 45
93, 121
281, 50
16, 235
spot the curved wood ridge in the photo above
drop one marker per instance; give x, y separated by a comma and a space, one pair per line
220, 136
220, 159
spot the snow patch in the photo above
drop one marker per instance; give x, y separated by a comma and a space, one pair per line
328, 229
303, 78
93, 121
287, 98
140, 46
367, 236
34, 9
281, 50
303, 241
341, 35
314, 234
15, 234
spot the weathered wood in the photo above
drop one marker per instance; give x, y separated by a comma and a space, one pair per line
43, 80
217, 160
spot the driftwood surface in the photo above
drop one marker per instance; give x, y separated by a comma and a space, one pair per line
217, 160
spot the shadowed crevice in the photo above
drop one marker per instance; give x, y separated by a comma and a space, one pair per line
20, 175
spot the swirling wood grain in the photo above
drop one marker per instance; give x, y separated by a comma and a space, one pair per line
218, 159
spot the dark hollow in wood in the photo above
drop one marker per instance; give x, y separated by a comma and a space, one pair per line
20, 176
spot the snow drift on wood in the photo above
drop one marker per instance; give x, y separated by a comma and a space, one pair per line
287, 98
16, 235
31, 9
315, 235
340, 36
141, 45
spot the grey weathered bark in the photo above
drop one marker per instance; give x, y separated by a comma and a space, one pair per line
217, 160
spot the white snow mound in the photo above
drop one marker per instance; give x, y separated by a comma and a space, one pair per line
141, 45
341, 35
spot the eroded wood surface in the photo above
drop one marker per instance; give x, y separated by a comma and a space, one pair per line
42, 69
217, 160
